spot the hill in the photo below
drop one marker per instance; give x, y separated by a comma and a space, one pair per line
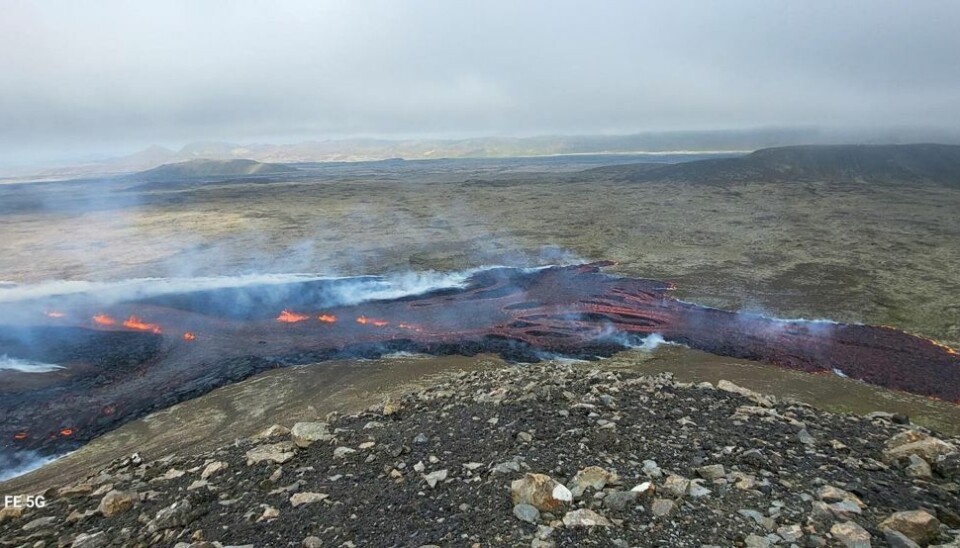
204, 168
931, 163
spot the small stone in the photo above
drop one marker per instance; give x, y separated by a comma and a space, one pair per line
697, 490
805, 438
662, 507
305, 434
173, 474
676, 486
790, 533
618, 500
525, 437
312, 542
275, 431
95, 540
845, 509
756, 541
212, 469
896, 539
585, 518
81, 489
506, 467
928, 448
421, 439
917, 525
829, 493
10, 513
278, 453
593, 477
435, 477
948, 466
527, 513
39, 522
300, 499
269, 513
198, 484
918, 468
652, 470
711, 471
367, 445
391, 407
343, 452
851, 535
541, 491
117, 502
644, 489
763, 521
77, 517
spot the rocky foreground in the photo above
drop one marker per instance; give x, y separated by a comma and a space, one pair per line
532, 456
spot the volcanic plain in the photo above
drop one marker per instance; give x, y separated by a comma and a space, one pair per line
875, 250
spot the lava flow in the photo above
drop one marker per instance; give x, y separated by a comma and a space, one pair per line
135, 367
103, 319
136, 323
287, 316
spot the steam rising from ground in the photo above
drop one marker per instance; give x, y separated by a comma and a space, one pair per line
26, 366
26, 462
364, 288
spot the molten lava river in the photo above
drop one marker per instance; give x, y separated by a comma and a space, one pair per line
121, 361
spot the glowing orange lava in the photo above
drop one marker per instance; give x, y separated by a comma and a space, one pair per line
20, 436
55, 314
327, 318
409, 326
291, 317
134, 322
363, 320
188, 336
66, 432
103, 319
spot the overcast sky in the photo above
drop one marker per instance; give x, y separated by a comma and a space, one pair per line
78, 77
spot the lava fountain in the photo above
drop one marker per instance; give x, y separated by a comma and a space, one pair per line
178, 346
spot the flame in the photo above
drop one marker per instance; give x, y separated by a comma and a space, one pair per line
327, 318
103, 319
108, 410
134, 322
66, 432
363, 320
291, 317
188, 336
409, 326
55, 314
20, 436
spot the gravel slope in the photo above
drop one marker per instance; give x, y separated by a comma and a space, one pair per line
533, 456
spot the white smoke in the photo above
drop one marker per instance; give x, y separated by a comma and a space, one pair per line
651, 342
365, 288
26, 366
27, 461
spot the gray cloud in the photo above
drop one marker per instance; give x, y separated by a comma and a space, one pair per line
111, 76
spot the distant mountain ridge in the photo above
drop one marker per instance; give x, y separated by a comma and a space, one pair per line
212, 168
933, 163
362, 149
